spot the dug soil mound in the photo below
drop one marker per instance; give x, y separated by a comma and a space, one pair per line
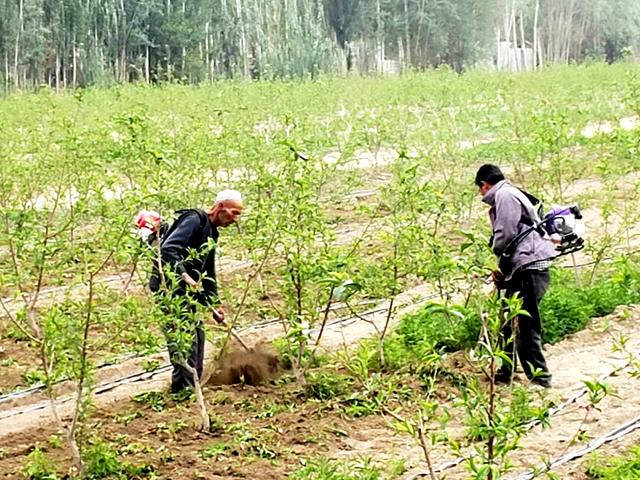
253, 366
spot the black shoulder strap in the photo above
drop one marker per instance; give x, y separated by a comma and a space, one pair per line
204, 223
166, 231
202, 215
525, 220
535, 202
533, 199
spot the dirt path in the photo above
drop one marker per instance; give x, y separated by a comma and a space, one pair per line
587, 355
576, 469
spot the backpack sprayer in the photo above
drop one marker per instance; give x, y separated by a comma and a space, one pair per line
149, 223
563, 225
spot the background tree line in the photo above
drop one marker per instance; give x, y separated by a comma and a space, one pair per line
69, 43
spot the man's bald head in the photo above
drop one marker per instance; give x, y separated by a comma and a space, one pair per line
227, 208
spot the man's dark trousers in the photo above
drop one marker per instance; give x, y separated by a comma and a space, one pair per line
181, 325
530, 285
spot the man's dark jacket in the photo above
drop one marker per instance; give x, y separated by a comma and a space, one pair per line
189, 246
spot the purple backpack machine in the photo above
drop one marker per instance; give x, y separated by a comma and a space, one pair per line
563, 225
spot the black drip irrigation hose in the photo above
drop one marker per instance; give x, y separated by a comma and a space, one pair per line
106, 386
350, 320
276, 320
602, 260
257, 326
40, 386
101, 388
140, 376
552, 412
615, 434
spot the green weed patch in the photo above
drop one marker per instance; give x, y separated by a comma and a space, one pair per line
625, 468
565, 309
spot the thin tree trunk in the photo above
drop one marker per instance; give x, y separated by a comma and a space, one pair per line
499, 59
184, 49
569, 31
559, 37
6, 71
536, 49
379, 38
74, 64
207, 59
202, 405
183, 66
507, 37
417, 38
57, 71
97, 48
146, 65
523, 44
407, 35
123, 64
515, 37
17, 46
168, 73
243, 39
566, 35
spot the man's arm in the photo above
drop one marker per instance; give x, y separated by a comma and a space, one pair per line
507, 218
209, 280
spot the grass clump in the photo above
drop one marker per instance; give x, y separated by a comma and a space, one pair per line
625, 468
565, 309
325, 469
102, 460
327, 386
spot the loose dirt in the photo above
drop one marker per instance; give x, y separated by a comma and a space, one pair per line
254, 366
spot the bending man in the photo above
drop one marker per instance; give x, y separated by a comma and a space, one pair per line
188, 278
525, 271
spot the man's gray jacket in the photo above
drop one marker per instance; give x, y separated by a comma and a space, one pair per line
510, 209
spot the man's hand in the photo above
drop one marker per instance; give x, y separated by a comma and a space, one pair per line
188, 279
218, 314
498, 277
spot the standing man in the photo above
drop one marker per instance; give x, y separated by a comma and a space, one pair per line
188, 277
524, 270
